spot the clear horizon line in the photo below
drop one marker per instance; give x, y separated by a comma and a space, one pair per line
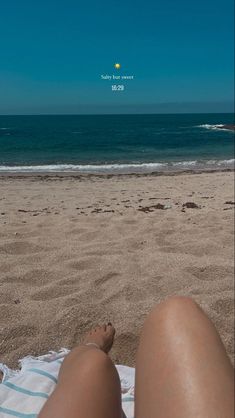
114, 114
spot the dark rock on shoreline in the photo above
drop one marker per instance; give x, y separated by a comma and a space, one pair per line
229, 127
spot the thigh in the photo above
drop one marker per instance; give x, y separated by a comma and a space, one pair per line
182, 368
88, 387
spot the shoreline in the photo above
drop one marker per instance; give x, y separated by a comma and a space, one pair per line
79, 175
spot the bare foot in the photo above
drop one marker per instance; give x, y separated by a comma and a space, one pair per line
103, 336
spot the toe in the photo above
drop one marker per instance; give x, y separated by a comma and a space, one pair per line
111, 329
97, 328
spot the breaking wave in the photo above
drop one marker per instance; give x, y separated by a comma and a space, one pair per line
218, 127
119, 168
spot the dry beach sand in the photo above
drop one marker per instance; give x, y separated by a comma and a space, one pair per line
79, 250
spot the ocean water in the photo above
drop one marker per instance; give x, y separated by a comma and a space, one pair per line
115, 143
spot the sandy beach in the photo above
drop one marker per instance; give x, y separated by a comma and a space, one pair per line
79, 250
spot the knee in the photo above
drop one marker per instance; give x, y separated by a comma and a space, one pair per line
96, 363
91, 363
85, 360
95, 358
179, 303
173, 308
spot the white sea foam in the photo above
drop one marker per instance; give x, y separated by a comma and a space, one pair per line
119, 168
217, 127
185, 163
221, 162
84, 168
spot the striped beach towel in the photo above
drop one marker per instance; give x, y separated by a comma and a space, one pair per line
24, 392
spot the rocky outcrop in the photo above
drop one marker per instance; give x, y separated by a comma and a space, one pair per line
229, 127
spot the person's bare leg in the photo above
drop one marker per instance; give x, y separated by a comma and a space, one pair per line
182, 368
88, 385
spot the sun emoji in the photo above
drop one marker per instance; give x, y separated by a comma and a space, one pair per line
117, 66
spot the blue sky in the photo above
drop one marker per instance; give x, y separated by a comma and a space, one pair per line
54, 52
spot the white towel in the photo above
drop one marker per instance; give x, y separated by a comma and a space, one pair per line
24, 392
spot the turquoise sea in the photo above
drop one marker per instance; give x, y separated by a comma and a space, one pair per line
115, 143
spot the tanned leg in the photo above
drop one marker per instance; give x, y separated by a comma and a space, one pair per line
88, 385
182, 368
